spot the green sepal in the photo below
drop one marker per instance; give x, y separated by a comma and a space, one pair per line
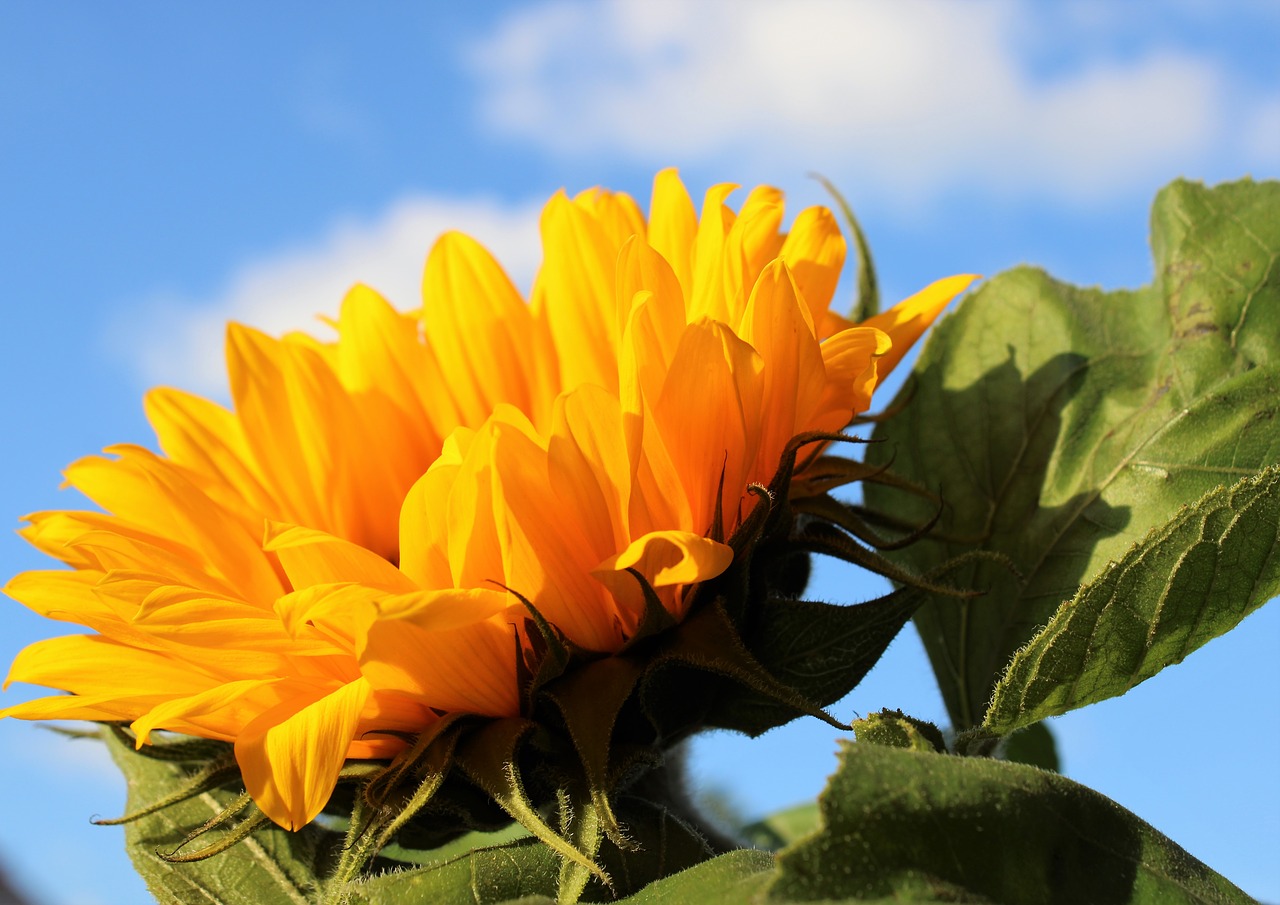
547, 656
662, 845
828, 540
867, 303
582, 826
213, 774
708, 642
821, 650
237, 833
590, 699
894, 729
490, 757
654, 621
485, 876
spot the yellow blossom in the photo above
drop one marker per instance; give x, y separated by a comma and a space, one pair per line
348, 552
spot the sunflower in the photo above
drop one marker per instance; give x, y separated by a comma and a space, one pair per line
351, 551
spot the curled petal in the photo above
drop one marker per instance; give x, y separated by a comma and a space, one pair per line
669, 558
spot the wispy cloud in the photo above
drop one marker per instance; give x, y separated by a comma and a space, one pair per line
177, 340
917, 97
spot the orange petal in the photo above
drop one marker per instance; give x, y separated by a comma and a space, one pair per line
708, 417
778, 326
291, 755
470, 669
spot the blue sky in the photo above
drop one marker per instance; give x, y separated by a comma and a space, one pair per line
164, 168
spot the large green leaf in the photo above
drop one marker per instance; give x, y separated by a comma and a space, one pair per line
735, 878
514, 870
1186, 583
271, 867
906, 825
1061, 424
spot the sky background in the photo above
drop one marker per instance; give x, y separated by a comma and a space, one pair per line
166, 167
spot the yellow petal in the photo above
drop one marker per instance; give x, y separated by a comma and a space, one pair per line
93, 665
159, 497
673, 226
424, 528
546, 550
98, 707
314, 557
291, 755
707, 296
752, 242
280, 395
52, 532
906, 321
484, 334
851, 359
617, 213
399, 390
577, 285
193, 707
341, 610
444, 610
59, 594
210, 440
588, 465
815, 252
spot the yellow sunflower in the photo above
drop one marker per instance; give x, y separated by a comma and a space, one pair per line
348, 553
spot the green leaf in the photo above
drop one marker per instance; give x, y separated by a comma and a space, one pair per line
784, 827
1061, 424
493, 873
731, 879
1187, 582
487, 876
271, 866
1034, 746
912, 826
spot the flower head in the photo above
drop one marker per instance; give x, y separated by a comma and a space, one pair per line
354, 548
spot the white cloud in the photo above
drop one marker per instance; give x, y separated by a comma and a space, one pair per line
179, 341
913, 96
